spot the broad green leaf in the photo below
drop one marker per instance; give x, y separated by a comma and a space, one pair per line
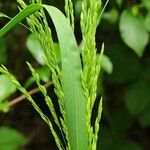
135, 10
3, 47
11, 139
146, 3
147, 21
35, 48
3, 15
144, 116
110, 141
133, 32
44, 74
137, 96
107, 64
126, 66
119, 2
22, 15
118, 124
75, 105
4, 107
78, 7
111, 16
57, 51
6, 87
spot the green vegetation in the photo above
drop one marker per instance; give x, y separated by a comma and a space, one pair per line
65, 52
75, 86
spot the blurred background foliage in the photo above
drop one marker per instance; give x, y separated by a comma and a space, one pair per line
124, 80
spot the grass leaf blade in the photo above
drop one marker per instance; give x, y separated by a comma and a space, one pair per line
19, 17
75, 105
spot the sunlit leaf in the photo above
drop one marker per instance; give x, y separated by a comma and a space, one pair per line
111, 16
4, 107
6, 87
3, 15
44, 74
107, 64
146, 3
147, 21
133, 32
35, 48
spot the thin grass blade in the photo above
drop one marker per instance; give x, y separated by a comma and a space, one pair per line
19, 17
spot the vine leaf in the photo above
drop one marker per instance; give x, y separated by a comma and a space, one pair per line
133, 32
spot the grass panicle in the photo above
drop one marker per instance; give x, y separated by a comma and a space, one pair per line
69, 12
91, 68
36, 107
43, 32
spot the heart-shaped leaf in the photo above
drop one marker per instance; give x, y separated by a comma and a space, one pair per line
6, 87
133, 32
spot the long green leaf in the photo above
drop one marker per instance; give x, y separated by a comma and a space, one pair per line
75, 105
22, 15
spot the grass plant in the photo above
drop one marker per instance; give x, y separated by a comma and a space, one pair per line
75, 80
